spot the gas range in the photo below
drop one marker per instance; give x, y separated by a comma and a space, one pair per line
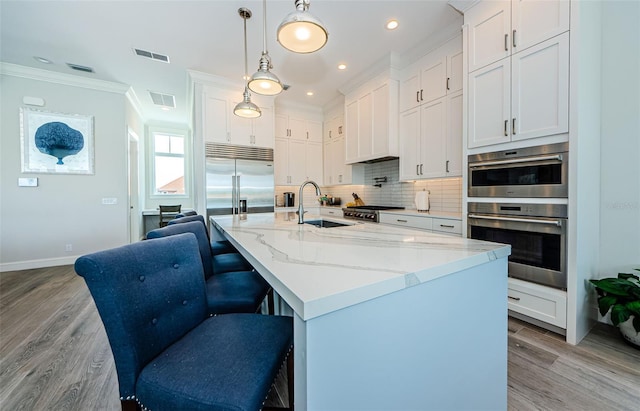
366, 213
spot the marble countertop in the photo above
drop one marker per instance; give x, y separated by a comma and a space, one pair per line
321, 270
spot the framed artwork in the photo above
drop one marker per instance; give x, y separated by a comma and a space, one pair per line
56, 142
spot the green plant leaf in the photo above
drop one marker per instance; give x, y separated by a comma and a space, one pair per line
616, 286
626, 276
619, 314
605, 303
633, 307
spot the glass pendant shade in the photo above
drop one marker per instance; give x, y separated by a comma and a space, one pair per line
301, 32
246, 108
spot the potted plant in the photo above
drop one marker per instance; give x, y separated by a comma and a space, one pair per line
621, 296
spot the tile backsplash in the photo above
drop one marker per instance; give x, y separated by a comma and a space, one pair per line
445, 194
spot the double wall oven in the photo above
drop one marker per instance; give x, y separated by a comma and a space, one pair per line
535, 229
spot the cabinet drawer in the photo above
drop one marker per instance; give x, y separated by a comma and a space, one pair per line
539, 302
447, 226
335, 212
422, 223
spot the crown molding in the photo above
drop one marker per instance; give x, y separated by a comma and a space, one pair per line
15, 70
213, 80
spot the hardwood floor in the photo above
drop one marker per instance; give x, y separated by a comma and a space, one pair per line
54, 355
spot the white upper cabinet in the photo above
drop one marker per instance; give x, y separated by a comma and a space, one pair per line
431, 129
297, 128
533, 21
522, 97
431, 139
372, 120
298, 148
222, 126
499, 28
489, 25
434, 76
518, 70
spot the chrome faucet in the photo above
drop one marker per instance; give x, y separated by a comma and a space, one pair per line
300, 199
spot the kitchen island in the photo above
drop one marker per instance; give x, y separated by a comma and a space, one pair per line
384, 317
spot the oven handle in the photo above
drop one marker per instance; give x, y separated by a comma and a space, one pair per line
557, 157
557, 223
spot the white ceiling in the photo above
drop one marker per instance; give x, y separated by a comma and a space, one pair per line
207, 36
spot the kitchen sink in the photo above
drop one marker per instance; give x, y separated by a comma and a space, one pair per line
326, 223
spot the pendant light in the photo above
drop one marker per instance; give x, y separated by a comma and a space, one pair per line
263, 81
246, 108
300, 31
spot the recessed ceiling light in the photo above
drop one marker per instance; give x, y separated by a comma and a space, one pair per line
43, 60
309, 93
342, 66
392, 24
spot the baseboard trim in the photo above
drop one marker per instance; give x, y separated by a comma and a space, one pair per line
31, 264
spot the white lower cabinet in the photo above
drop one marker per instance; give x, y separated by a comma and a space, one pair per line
537, 301
447, 226
331, 211
422, 223
427, 223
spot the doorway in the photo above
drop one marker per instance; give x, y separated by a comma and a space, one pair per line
135, 216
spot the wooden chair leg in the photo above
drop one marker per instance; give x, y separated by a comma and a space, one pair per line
270, 302
290, 379
129, 405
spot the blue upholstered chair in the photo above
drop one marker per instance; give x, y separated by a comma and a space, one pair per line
217, 247
186, 213
169, 354
231, 291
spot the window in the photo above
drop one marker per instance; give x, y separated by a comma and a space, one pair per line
168, 163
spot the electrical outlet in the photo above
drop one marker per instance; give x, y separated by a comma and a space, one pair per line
68, 247
109, 201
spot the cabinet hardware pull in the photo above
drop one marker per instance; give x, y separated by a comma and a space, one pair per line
307, 135
447, 166
417, 169
329, 133
421, 168
514, 298
506, 123
446, 226
402, 221
421, 99
514, 38
418, 96
513, 126
448, 83
555, 157
506, 42
557, 223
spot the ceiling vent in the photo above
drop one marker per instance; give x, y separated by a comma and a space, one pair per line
80, 68
151, 55
163, 100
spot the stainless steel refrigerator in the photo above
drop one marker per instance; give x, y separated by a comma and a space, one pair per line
239, 179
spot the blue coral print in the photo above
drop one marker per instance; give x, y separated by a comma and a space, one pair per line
58, 140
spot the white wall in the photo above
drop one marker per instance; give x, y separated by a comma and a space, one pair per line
620, 143
37, 222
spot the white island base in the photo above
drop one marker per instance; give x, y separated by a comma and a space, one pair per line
385, 318
440, 345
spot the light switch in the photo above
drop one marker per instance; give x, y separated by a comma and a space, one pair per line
109, 201
28, 182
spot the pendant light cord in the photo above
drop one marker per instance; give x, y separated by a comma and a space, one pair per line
246, 65
264, 26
